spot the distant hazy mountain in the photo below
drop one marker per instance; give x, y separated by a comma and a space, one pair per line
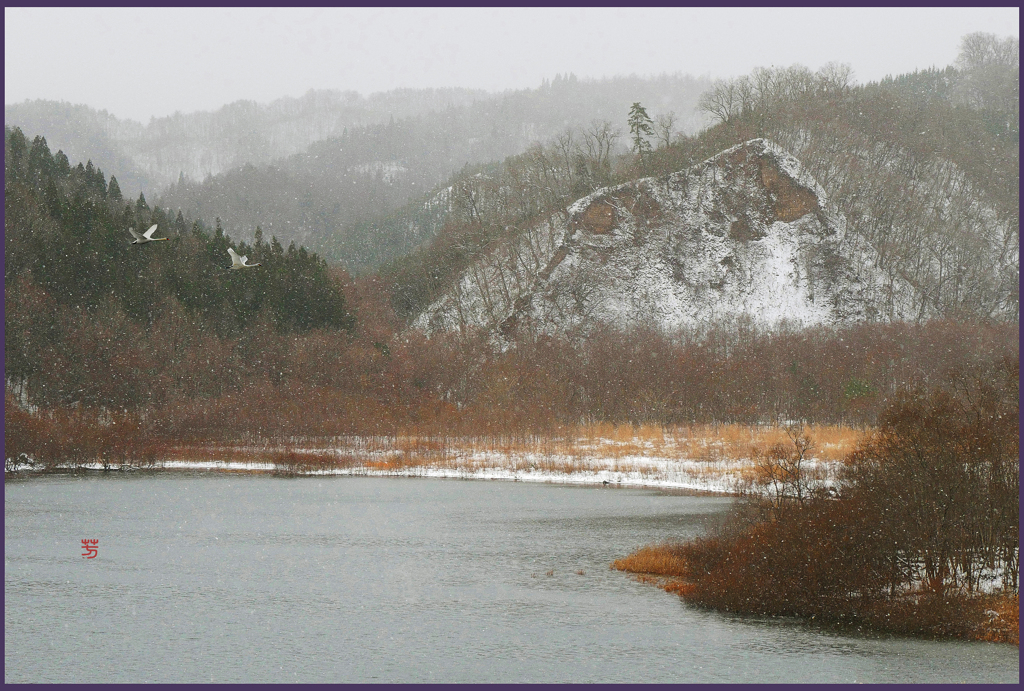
84, 134
149, 157
322, 196
310, 169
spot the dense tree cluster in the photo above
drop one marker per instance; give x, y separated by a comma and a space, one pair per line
926, 519
989, 69
89, 317
729, 373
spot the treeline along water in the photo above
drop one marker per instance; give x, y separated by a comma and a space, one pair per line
252, 578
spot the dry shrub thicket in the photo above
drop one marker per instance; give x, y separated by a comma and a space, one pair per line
922, 536
74, 436
710, 396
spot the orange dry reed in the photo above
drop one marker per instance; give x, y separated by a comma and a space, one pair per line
1002, 620
654, 560
608, 441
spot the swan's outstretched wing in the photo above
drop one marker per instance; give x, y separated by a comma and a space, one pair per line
244, 260
235, 261
134, 234
149, 233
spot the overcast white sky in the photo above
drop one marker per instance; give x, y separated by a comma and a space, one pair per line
145, 62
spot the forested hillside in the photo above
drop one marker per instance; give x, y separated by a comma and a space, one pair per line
331, 196
114, 350
84, 134
924, 168
93, 319
929, 177
745, 234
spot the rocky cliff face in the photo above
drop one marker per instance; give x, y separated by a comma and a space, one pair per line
745, 233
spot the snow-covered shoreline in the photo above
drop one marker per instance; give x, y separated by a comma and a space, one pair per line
596, 477
730, 477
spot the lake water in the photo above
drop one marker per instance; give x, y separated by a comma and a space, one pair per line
235, 578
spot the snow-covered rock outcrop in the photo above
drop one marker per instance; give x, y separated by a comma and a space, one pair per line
746, 232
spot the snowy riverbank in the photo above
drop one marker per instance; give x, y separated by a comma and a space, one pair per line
725, 476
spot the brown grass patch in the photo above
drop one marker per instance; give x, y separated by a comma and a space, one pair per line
716, 452
658, 565
654, 560
706, 443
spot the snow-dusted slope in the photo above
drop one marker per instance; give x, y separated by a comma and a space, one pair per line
746, 232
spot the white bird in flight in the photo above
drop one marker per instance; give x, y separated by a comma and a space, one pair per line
146, 237
239, 262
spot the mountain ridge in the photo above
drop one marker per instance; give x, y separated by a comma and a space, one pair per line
747, 232
196, 145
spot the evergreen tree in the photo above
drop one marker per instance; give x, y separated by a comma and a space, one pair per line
114, 190
640, 127
63, 166
14, 154
40, 162
94, 181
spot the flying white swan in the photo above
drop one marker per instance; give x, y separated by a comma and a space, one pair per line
146, 237
239, 262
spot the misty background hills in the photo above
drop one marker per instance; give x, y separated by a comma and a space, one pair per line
421, 186
148, 157
309, 170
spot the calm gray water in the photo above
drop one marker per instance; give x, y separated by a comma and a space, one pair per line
212, 577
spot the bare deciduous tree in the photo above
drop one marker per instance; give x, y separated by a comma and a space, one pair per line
780, 471
666, 124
